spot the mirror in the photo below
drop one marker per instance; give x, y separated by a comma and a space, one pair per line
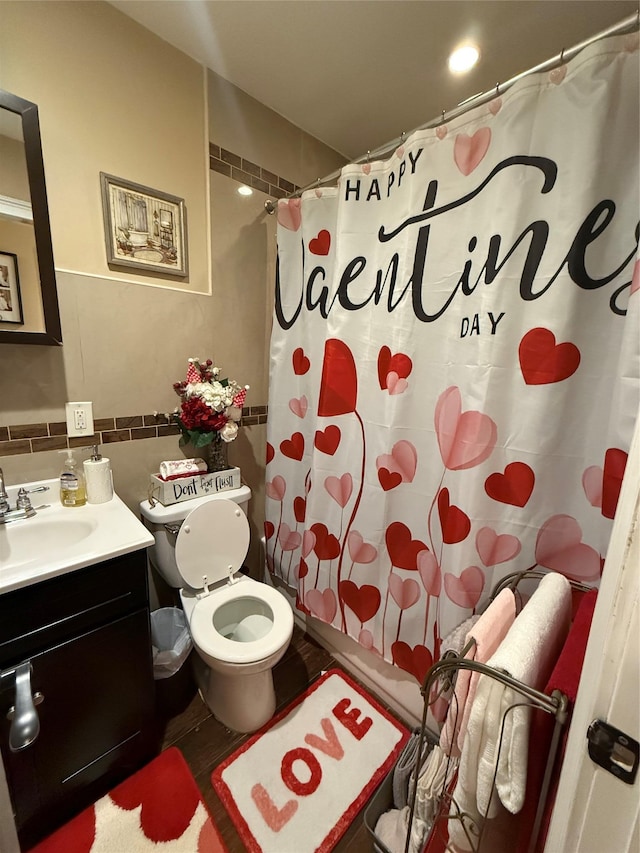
29, 312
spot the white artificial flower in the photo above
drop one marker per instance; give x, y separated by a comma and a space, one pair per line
229, 431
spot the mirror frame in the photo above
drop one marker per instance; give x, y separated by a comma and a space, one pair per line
52, 335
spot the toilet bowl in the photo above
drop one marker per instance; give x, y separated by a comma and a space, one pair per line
240, 627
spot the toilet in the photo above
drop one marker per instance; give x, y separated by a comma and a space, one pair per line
240, 627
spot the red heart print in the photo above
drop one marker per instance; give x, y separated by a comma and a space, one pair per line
321, 244
466, 590
559, 547
302, 570
495, 548
542, 361
293, 448
327, 440
327, 546
469, 151
363, 600
454, 522
403, 549
389, 479
301, 363
339, 384
417, 660
405, 592
269, 529
399, 363
466, 438
270, 452
299, 509
615, 462
513, 487
322, 603
359, 550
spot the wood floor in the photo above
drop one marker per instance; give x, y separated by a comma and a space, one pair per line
205, 742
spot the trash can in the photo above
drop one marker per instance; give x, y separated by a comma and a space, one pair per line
172, 646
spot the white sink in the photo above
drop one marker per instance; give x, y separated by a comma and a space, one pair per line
60, 539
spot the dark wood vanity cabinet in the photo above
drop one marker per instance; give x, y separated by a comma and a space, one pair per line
87, 637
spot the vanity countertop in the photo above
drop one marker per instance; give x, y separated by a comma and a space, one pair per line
58, 539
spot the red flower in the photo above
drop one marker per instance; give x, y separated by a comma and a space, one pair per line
195, 414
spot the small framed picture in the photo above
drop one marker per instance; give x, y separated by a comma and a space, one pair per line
145, 229
10, 300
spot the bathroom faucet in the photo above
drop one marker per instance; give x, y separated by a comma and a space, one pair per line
23, 508
4, 497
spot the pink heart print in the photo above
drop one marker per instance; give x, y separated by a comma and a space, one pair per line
465, 438
308, 542
277, 488
466, 590
402, 460
405, 592
559, 547
289, 540
429, 572
289, 213
299, 406
322, 604
495, 548
468, 151
396, 384
359, 550
340, 488
592, 485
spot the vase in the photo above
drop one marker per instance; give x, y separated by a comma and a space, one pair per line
217, 459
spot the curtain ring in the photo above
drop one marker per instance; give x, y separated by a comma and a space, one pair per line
562, 56
368, 156
403, 136
318, 183
497, 89
442, 117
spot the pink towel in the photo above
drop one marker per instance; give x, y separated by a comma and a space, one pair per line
488, 632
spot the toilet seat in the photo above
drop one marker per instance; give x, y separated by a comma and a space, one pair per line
212, 543
207, 637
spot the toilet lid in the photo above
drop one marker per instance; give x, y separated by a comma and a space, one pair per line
213, 541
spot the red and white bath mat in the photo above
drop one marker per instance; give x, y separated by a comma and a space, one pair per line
296, 785
157, 810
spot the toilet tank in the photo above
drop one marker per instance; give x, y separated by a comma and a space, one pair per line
164, 523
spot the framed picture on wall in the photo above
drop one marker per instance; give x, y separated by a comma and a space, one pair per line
144, 229
10, 300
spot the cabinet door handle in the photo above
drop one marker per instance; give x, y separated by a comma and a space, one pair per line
25, 725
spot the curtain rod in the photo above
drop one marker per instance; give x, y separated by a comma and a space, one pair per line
632, 22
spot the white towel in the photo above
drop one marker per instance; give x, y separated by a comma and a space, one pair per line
182, 468
528, 653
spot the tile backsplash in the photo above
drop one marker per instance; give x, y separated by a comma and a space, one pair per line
17, 439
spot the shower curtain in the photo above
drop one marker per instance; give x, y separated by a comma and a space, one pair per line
454, 368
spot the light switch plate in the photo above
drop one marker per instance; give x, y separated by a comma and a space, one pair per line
79, 419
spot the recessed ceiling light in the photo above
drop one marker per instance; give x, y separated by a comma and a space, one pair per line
245, 190
463, 58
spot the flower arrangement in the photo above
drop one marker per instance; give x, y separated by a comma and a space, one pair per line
211, 407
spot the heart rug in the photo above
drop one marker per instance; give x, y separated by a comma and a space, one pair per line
157, 810
297, 784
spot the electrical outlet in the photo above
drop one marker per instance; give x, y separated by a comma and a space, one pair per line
79, 419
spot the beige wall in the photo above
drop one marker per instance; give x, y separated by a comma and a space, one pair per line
112, 97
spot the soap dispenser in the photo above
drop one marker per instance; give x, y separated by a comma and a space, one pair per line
97, 472
72, 483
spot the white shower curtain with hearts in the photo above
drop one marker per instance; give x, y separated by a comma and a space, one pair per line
454, 373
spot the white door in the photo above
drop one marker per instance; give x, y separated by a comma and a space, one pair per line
594, 811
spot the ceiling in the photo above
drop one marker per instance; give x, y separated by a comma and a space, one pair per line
357, 73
